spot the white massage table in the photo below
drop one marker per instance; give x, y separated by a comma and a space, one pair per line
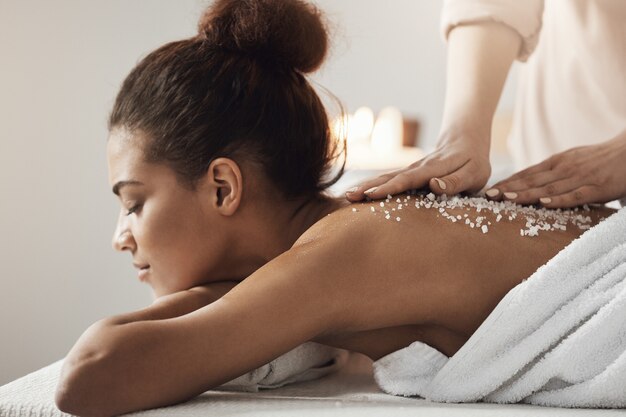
350, 392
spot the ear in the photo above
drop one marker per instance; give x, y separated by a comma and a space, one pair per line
226, 185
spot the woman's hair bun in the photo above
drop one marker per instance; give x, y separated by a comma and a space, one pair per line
290, 32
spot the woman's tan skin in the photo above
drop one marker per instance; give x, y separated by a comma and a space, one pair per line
274, 274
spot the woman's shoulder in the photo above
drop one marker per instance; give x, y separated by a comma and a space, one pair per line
367, 225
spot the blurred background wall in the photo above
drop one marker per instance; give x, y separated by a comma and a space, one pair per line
61, 64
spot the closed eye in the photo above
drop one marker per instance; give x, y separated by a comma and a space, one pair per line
133, 209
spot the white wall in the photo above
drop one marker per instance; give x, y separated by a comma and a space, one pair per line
61, 64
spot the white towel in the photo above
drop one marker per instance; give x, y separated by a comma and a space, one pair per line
556, 339
305, 362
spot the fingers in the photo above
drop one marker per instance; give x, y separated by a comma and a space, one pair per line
463, 179
358, 193
528, 190
533, 195
552, 189
449, 170
407, 179
582, 195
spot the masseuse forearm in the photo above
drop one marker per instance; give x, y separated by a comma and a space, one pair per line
479, 58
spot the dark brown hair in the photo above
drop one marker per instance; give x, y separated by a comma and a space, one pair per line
237, 90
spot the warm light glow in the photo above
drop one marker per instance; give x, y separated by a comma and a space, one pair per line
356, 128
360, 126
340, 126
388, 131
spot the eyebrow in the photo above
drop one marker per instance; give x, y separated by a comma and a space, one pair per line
120, 184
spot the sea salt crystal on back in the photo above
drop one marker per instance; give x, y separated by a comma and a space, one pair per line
485, 229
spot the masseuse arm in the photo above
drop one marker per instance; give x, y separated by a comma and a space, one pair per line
479, 58
119, 368
587, 174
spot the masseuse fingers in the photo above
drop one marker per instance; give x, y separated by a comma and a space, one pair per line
535, 195
358, 193
407, 179
465, 178
533, 175
526, 187
577, 197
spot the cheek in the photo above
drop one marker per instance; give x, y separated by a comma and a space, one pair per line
176, 244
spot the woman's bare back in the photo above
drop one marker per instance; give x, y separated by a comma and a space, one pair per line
437, 274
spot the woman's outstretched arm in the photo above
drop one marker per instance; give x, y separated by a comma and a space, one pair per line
176, 304
117, 368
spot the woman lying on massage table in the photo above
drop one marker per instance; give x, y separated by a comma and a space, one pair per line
218, 151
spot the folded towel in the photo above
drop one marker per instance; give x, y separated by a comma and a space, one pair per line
305, 362
556, 339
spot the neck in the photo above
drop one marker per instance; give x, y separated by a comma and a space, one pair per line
275, 229
305, 214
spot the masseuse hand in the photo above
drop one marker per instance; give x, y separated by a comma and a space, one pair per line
587, 174
458, 164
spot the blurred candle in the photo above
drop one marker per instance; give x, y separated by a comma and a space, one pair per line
360, 126
388, 130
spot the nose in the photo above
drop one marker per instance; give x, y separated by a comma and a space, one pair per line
122, 238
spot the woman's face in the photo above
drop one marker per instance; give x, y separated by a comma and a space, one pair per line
164, 225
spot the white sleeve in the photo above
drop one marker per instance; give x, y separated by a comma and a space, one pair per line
523, 16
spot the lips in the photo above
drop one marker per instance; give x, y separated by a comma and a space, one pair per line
141, 266
144, 271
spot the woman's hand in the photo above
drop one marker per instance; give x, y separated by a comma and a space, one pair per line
459, 164
587, 174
